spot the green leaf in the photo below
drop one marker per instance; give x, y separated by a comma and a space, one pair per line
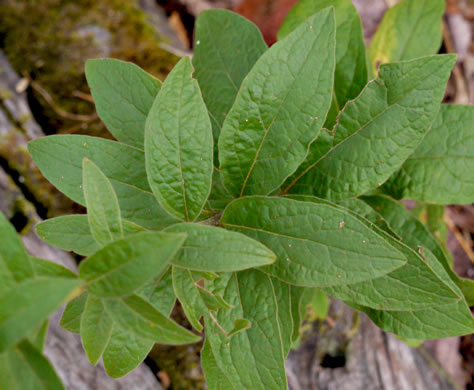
441, 170
72, 233
60, 160
26, 305
96, 328
195, 300
71, 318
124, 352
160, 293
435, 322
320, 304
279, 109
134, 314
23, 367
351, 69
123, 94
411, 29
15, 264
103, 210
253, 296
123, 266
219, 196
285, 314
38, 338
215, 377
416, 236
298, 308
226, 47
239, 326
47, 268
209, 248
316, 244
178, 145
378, 131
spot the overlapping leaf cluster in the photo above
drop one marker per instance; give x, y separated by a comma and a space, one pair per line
251, 178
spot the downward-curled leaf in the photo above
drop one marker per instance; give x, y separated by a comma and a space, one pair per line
209, 248
279, 109
123, 266
441, 170
253, 296
134, 314
378, 131
23, 367
103, 210
316, 244
123, 94
411, 29
225, 49
178, 145
27, 304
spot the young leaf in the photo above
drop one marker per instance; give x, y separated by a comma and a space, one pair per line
123, 165
416, 235
226, 47
215, 377
209, 248
123, 266
441, 170
46, 268
178, 145
195, 301
103, 210
23, 367
279, 109
134, 314
253, 296
27, 304
320, 304
378, 131
316, 244
351, 69
15, 264
71, 318
96, 328
160, 293
38, 338
124, 352
123, 94
411, 29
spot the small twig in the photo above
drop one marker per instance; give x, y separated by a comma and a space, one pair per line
462, 241
218, 325
83, 96
58, 110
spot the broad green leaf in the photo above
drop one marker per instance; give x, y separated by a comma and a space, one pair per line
225, 49
397, 290
282, 292
160, 293
351, 69
123, 266
46, 268
279, 109
209, 248
60, 160
316, 244
124, 352
219, 196
23, 367
441, 170
103, 210
134, 314
253, 296
378, 131
195, 300
178, 145
26, 305
215, 377
416, 236
96, 328
72, 233
435, 322
71, 318
15, 264
411, 29
123, 94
